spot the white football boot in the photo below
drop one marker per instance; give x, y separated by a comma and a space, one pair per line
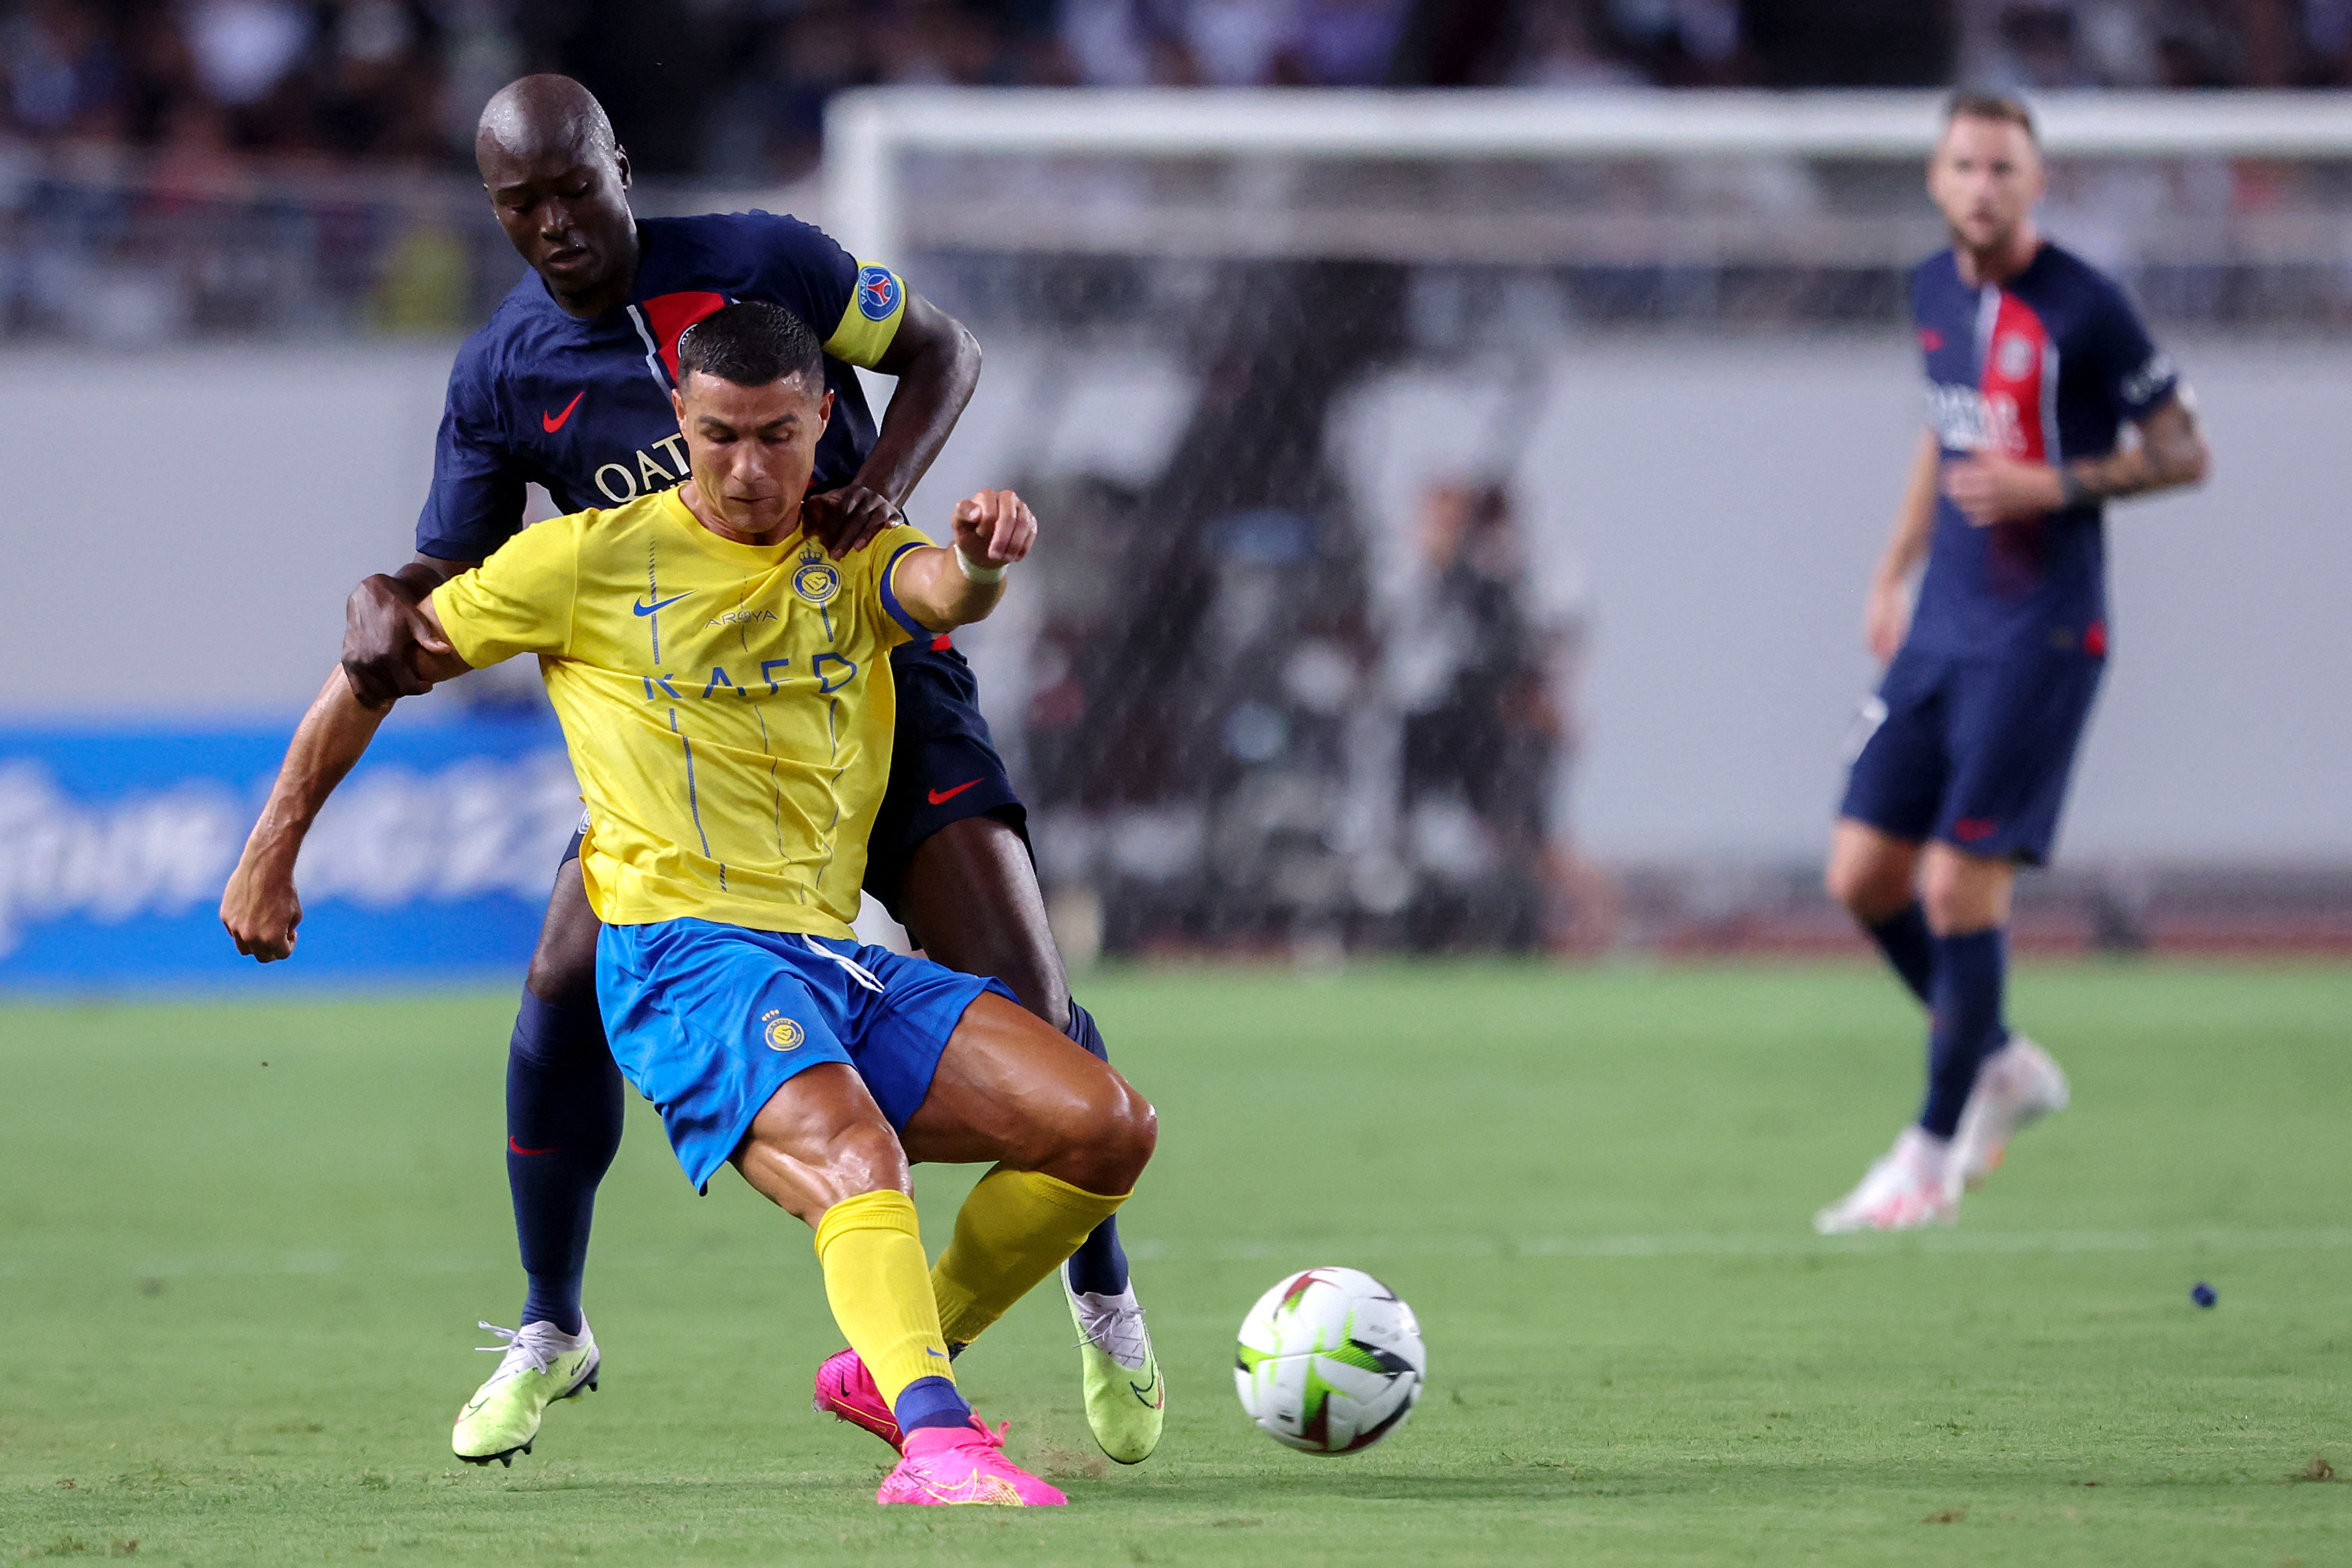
542, 1365
1126, 1402
1909, 1187
2016, 1087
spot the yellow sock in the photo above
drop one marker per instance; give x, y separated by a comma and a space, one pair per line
872, 1251
1014, 1230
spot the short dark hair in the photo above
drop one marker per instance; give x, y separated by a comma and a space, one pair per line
752, 344
1998, 107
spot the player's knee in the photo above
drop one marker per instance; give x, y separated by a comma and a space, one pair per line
863, 1157
1117, 1140
562, 970
1960, 894
1869, 887
808, 1173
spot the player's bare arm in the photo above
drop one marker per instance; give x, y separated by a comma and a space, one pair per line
259, 907
936, 359
947, 587
2170, 453
1886, 616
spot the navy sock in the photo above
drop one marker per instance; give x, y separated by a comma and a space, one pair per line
1099, 1267
1904, 938
930, 1402
563, 1126
1964, 1023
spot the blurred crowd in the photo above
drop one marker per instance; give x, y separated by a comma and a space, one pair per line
735, 90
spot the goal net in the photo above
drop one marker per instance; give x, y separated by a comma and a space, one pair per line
1460, 502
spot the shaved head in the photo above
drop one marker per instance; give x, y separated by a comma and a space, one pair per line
558, 180
539, 115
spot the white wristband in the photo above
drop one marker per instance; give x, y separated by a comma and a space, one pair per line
976, 573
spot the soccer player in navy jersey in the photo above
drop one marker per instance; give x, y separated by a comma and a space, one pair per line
2036, 363
569, 386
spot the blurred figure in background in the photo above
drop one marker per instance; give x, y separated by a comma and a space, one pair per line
1482, 746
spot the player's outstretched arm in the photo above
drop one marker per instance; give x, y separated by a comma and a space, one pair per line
937, 362
945, 588
384, 629
259, 906
1886, 616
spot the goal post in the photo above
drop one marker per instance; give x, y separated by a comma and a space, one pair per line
870, 132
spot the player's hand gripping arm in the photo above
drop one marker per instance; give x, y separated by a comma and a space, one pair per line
937, 362
386, 630
2170, 452
945, 588
1886, 616
260, 907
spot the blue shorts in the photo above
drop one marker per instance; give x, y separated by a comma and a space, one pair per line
709, 1021
1974, 752
943, 765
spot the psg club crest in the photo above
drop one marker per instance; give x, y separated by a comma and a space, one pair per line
815, 580
2014, 355
877, 293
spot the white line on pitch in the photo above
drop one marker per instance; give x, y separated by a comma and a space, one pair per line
1672, 1244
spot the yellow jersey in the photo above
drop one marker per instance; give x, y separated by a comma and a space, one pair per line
728, 708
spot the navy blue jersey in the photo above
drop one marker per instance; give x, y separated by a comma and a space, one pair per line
583, 407
2045, 369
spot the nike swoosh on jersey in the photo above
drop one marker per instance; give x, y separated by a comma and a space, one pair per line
551, 423
942, 797
643, 608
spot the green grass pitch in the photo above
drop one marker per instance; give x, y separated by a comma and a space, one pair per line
243, 1247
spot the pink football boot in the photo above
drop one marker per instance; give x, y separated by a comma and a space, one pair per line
952, 1466
846, 1391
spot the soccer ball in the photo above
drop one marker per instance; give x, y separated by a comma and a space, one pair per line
1331, 1362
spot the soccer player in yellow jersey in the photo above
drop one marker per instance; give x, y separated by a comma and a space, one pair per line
726, 697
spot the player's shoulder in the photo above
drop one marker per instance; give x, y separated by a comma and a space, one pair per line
497, 345
730, 239
2060, 274
1936, 276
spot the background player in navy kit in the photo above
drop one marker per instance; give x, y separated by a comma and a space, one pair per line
569, 386
2035, 363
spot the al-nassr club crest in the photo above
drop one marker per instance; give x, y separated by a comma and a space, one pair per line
815, 580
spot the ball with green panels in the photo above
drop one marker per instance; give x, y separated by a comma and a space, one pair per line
1331, 1362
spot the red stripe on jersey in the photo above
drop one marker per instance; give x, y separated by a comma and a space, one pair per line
670, 315
2011, 382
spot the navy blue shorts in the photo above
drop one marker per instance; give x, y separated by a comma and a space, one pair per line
707, 1022
943, 765
1974, 752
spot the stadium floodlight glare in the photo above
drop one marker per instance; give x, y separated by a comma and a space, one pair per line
868, 132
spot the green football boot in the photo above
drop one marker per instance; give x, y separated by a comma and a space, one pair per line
541, 1365
1126, 1401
